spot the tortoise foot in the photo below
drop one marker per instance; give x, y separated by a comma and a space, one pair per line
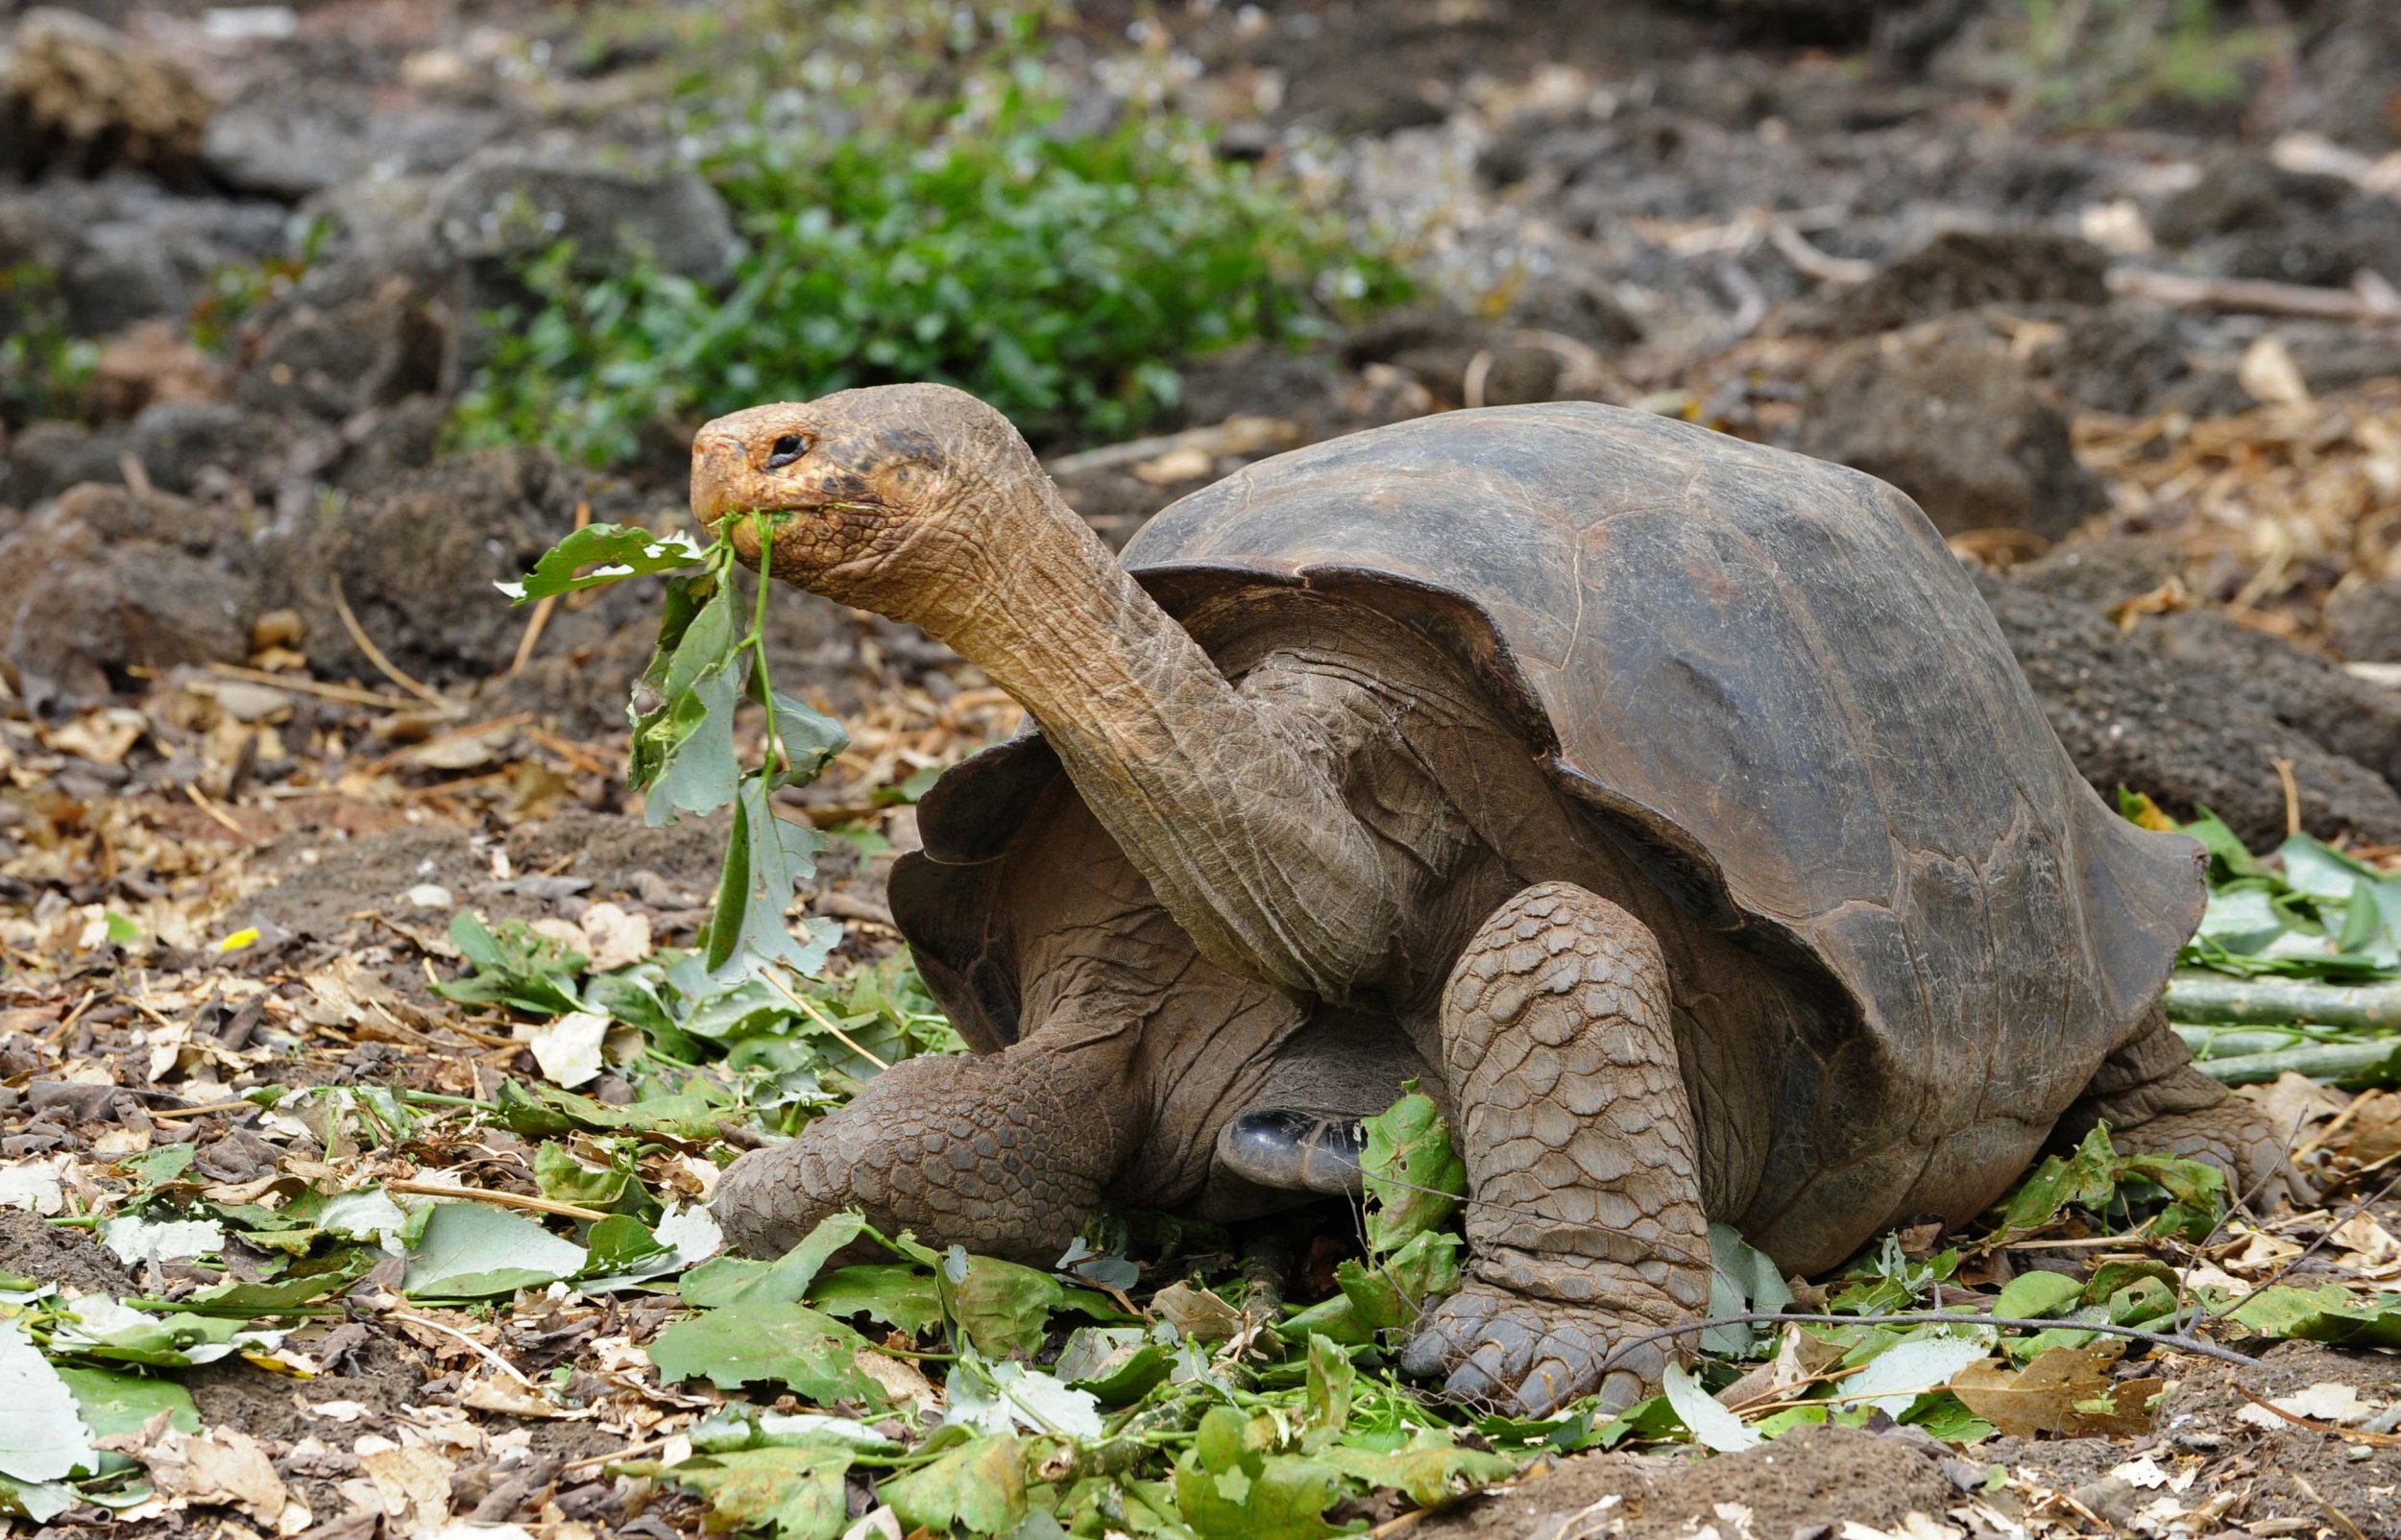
2237, 1138
1530, 1356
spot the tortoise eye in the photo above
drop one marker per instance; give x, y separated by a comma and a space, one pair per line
786, 449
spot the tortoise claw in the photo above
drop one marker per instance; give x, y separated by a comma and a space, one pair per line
1530, 1356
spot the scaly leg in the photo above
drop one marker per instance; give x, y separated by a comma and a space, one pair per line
2154, 1101
1002, 1153
1584, 1206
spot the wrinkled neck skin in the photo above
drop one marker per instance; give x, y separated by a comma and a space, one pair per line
1240, 830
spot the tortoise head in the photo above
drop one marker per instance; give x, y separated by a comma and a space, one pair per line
895, 499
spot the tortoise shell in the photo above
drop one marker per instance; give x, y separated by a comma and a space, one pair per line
1766, 673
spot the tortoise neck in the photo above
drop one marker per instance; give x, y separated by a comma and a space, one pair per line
1061, 626
1217, 799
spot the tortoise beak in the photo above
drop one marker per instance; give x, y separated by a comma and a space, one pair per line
720, 470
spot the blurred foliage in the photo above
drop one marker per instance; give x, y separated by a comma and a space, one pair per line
237, 290
45, 370
2101, 61
919, 199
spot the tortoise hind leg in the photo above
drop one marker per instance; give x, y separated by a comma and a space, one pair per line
2154, 1101
1583, 1208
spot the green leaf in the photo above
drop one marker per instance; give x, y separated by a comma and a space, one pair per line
564, 1179
979, 1486
725, 1281
892, 1292
1743, 1281
1002, 1307
514, 966
115, 1403
796, 1490
775, 1339
2031, 1296
42, 1436
305, 1283
1120, 1365
1430, 1470
683, 746
811, 739
767, 857
1229, 1491
1708, 1422
472, 1250
1325, 1405
2326, 1313
610, 552
1412, 1178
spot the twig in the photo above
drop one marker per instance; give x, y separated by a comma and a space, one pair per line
542, 608
166, 1114
821, 1018
2307, 1252
489, 1356
345, 693
2172, 1340
2316, 1426
2334, 1515
574, 753
506, 1200
374, 654
200, 799
2292, 797
2258, 296
647, 1446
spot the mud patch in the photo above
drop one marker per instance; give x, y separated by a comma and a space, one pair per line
73, 1260
1806, 1482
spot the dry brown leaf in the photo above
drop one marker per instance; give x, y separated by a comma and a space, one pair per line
216, 1467
904, 1382
414, 1483
1197, 1312
2064, 1391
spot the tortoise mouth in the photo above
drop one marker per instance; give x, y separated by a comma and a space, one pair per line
1291, 1151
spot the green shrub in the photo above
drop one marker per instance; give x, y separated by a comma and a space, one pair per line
1061, 277
45, 370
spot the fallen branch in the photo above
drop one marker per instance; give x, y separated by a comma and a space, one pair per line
2211, 1000
2319, 1061
374, 654
2251, 296
506, 1200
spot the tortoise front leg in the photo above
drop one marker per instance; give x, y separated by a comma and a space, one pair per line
1003, 1153
2156, 1103
1584, 1198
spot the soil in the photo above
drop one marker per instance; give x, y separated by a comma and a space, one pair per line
71, 1259
1812, 1478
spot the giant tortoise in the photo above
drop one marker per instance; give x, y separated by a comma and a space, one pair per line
1668, 805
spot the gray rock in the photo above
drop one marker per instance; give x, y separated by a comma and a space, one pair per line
2183, 735
123, 251
78, 608
2364, 622
305, 138
1966, 269
2302, 690
181, 443
48, 458
340, 360
2349, 66
1950, 418
506, 206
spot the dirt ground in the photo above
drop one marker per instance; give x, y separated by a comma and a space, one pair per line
257, 683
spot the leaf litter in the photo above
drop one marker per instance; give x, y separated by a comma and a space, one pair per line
445, 1193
